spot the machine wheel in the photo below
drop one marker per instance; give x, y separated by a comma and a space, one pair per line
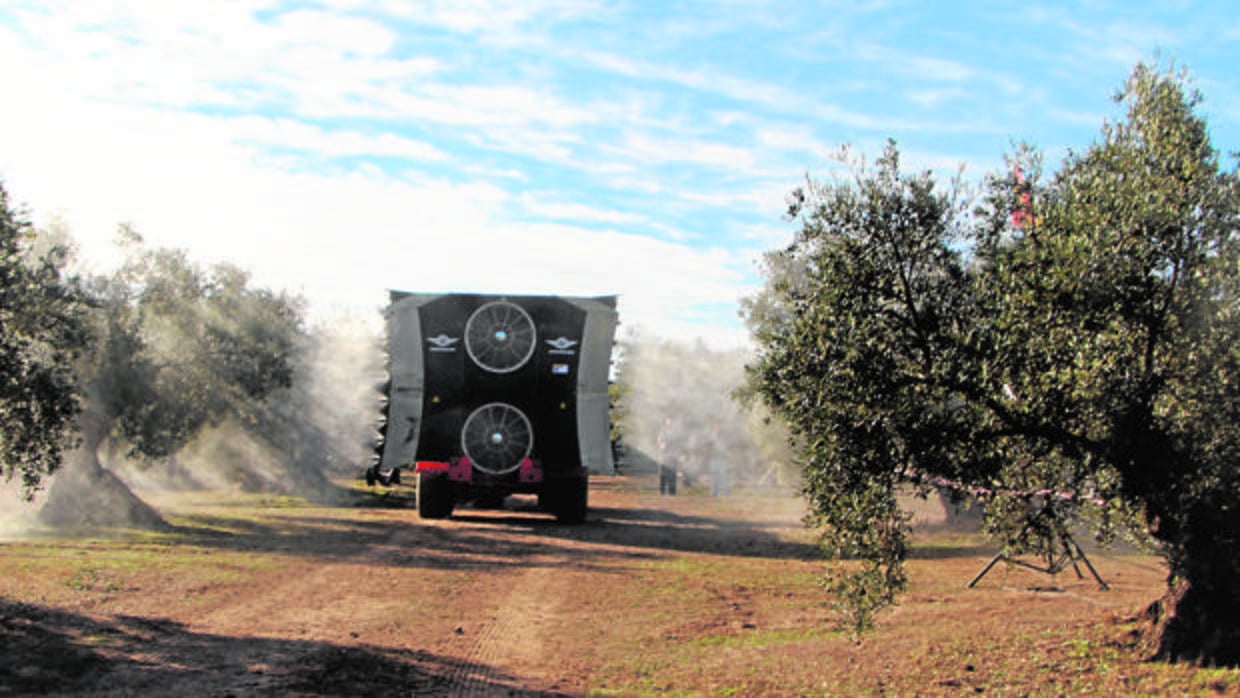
370, 477
568, 499
395, 476
434, 496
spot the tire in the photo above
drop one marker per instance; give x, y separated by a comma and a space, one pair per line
370, 477
395, 476
434, 496
568, 500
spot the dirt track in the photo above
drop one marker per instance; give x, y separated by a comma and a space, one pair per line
685, 595
361, 601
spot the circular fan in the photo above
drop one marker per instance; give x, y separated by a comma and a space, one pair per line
497, 437
500, 337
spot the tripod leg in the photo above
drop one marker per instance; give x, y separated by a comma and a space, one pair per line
1081, 554
1061, 563
1069, 557
981, 574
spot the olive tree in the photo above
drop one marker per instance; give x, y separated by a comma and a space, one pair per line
41, 334
1066, 345
851, 358
179, 348
1126, 290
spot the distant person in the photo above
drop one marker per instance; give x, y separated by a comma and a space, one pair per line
694, 444
717, 460
670, 448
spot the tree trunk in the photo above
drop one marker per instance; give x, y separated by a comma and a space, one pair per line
1188, 625
84, 493
1198, 619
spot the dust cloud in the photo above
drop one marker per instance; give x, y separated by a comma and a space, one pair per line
692, 387
298, 441
17, 516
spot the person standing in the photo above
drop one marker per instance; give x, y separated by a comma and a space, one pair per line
669, 454
717, 461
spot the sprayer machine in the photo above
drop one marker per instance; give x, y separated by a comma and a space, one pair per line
491, 395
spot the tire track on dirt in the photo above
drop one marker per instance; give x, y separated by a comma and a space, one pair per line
514, 640
303, 600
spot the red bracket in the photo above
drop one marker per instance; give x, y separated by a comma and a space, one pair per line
460, 469
530, 471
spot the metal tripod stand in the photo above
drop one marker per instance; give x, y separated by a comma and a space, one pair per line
1062, 552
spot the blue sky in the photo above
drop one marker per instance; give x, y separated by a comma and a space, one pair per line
341, 148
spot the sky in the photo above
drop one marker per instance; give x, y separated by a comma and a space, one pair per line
341, 148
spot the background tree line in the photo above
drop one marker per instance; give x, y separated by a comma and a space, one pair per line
136, 367
1064, 346
658, 378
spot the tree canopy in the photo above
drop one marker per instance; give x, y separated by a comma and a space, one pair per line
183, 346
42, 332
175, 348
1060, 347
144, 358
159, 355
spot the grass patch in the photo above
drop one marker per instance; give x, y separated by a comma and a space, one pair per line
760, 639
93, 580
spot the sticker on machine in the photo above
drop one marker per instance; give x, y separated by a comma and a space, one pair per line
443, 343
562, 346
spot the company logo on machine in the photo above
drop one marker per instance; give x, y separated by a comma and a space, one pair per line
443, 343
562, 345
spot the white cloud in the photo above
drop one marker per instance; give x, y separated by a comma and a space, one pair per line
768, 94
333, 33
545, 205
946, 70
298, 136
340, 239
933, 97
655, 150
342, 147
486, 16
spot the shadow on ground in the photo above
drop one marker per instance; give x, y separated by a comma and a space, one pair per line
660, 530
383, 528
49, 651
